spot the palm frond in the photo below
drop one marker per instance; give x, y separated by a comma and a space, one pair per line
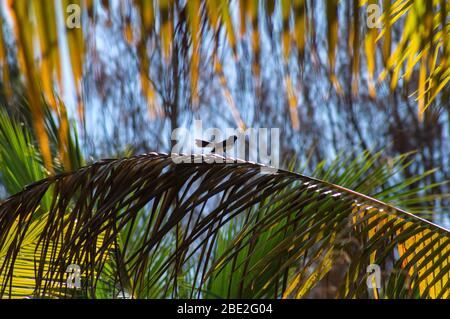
226, 230
423, 47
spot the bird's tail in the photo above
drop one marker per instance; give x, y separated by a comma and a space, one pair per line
201, 143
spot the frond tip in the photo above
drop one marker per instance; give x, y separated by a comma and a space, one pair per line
148, 227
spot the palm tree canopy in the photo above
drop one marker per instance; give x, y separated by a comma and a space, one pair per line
212, 229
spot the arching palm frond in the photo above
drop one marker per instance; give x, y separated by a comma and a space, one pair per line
145, 226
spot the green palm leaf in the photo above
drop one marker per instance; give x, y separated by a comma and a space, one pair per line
147, 226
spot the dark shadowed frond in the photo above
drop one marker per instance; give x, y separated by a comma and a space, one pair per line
408, 37
146, 226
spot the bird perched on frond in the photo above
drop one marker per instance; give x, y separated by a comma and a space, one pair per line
222, 146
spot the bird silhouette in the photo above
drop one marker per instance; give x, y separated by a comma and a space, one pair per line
222, 146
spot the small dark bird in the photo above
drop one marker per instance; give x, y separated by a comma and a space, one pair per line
221, 146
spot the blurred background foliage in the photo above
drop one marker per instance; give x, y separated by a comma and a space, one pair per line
180, 58
135, 70
215, 230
